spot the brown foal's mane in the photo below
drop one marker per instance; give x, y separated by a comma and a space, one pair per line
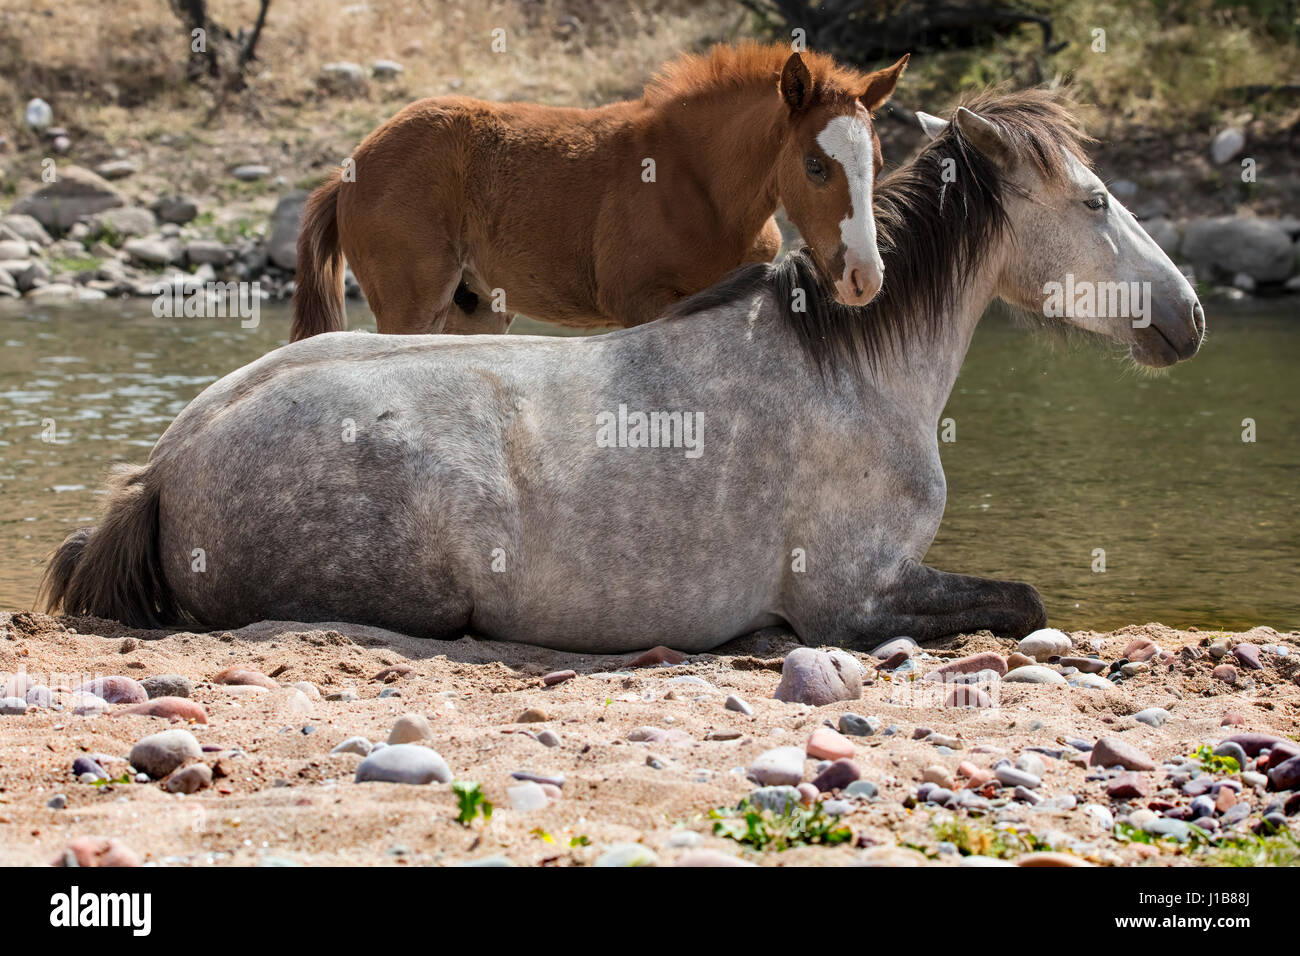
725, 68
932, 235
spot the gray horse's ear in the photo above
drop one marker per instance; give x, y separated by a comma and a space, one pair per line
983, 135
931, 125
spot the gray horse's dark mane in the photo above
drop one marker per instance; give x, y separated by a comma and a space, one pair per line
935, 220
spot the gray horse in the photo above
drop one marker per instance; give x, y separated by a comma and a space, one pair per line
683, 483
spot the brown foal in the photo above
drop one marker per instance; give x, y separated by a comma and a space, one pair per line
462, 213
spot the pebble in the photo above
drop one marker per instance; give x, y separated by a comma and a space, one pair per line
1127, 786
965, 695
1152, 716
1047, 858
96, 851
1234, 750
353, 745
1045, 643
159, 754
862, 790
403, 763
173, 708
1286, 775
739, 705
57, 802
1016, 659
628, 854
548, 738
1133, 668
840, 775
810, 676
1248, 655
533, 715
558, 677
1226, 673
83, 765
1141, 649
890, 648
826, 744
1253, 743
1089, 682
308, 689
855, 725
1011, 777
527, 796
9, 706
167, 685
986, 661
1033, 674
87, 705
244, 677
808, 793
1174, 829
781, 765
659, 657
115, 690
1232, 719
778, 800
1087, 665
410, 728
189, 779
938, 775
394, 673
1112, 752
1031, 763
554, 780
1100, 816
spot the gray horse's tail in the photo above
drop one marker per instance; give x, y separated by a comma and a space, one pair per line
114, 570
318, 279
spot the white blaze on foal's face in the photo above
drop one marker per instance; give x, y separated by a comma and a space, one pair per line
847, 140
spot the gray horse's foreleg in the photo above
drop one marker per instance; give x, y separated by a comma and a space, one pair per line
927, 604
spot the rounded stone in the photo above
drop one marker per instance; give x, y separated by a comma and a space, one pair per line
189, 779
1045, 643
403, 763
628, 854
353, 745
826, 744
1152, 716
115, 690
1113, 752
410, 728
159, 754
558, 677
811, 676
840, 775
167, 685
244, 677
780, 765
173, 708
986, 661
1033, 674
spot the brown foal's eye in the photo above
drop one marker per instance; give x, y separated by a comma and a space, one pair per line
814, 168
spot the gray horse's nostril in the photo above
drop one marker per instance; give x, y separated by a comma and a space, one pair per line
1198, 320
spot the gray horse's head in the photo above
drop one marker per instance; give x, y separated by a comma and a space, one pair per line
1089, 262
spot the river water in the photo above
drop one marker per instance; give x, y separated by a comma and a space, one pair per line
1063, 451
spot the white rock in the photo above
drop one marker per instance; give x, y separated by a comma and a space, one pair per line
1044, 643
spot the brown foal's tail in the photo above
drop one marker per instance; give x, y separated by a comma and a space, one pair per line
114, 570
318, 291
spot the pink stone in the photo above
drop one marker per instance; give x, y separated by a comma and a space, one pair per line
1128, 786
659, 656
242, 676
966, 695
1016, 659
827, 744
807, 794
98, 851
558, 677
173, 708
1226, 673
987, 661
1141, 649
1232, 719
115, 690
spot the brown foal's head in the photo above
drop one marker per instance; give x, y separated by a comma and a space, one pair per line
826, 170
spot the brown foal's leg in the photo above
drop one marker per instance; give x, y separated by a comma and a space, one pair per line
409, 282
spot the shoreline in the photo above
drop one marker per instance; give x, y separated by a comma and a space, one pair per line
574, 762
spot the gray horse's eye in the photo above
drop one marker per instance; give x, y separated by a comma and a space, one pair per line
1100, 201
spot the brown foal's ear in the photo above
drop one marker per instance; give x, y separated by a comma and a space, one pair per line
984, 136
880, 85
796, 83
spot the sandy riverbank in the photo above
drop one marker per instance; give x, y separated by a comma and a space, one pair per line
284, 797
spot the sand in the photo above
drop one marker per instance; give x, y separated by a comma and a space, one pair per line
285, 799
